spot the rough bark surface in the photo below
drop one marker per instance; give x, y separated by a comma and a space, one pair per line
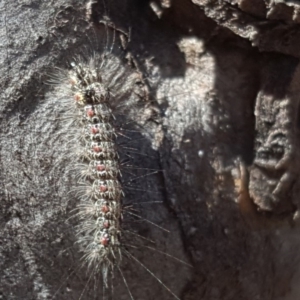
223, 78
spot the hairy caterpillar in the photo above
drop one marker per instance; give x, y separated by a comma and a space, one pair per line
44, 145
99, 87
101, 208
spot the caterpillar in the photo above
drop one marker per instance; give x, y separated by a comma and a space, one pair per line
53, 146
103, 201
44, 132
97, 88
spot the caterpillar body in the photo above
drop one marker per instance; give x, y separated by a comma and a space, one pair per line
104, 113
102, 206
71, 148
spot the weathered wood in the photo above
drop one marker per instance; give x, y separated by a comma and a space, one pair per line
223, 79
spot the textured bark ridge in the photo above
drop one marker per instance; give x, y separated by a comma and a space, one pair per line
220, 91
275, 167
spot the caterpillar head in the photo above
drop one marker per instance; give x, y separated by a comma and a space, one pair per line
95, 93
88, 86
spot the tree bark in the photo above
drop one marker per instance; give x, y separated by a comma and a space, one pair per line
221, 95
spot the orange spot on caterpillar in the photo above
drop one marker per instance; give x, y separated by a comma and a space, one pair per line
104, 241
72, 81
90, 113
106, 224
97, 149
103, 188
78, 97
94, 130
105, 209
100, 168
